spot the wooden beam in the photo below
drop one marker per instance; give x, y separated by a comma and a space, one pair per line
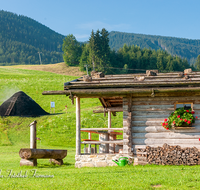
27, 153
122, 84
78, 126
101, 129
101, 102
112, 109
75, 80
123, 92
103, 142
104, 102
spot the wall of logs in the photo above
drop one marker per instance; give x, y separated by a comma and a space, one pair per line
146, 118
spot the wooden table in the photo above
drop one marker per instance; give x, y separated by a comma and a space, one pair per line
107, 140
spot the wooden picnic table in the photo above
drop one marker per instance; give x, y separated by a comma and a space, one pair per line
107, 139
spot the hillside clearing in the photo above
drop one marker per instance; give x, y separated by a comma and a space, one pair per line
57, 131
59, 68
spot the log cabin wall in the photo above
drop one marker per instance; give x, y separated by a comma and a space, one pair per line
147, 115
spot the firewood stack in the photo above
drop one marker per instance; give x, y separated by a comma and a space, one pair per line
171, 155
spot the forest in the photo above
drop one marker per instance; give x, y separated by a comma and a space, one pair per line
184, 48
97, 55
22, 39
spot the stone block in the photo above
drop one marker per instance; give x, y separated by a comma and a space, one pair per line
87, 164
89, 159
101, 164
109, 157
92, 156
77, 158
77, 165
111, 163
186, 71
101, 157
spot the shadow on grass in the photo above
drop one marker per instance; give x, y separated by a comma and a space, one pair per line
56, 113
53, 165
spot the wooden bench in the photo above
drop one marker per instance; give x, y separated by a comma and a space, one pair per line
30, 156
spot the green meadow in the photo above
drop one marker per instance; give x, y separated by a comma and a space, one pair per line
57, 131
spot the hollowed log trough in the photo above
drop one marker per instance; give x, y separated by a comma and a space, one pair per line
30, 156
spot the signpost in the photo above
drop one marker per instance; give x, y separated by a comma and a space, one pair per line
52, 107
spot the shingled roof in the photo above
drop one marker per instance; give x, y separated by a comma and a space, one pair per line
131, 83
111, 88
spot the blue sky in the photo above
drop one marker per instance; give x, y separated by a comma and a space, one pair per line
176, 18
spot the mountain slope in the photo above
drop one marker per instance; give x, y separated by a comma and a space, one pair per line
182, 47
21, 38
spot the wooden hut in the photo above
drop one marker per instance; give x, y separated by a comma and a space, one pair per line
145, 100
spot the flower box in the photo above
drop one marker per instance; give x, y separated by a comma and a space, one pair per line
179, 119
183, 126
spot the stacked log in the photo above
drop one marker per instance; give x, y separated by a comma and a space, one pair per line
170, 155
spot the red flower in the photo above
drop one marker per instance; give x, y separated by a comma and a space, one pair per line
174, 122
181, 119
192, 112
166, 124
199, 139
196, 117
189, 122
167, 128
185, 120
163, 124
165, 120
178, 116
187, 111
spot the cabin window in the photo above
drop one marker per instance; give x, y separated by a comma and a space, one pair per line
186, 105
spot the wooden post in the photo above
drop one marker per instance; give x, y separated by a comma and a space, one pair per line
103, 148
109, 119
78, 126
33, 135
127, 126
33, 145
111, 146
89, 145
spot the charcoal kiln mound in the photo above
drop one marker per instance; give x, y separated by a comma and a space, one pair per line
20, 104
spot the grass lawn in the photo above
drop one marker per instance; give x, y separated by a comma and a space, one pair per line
58, 131
69, 177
